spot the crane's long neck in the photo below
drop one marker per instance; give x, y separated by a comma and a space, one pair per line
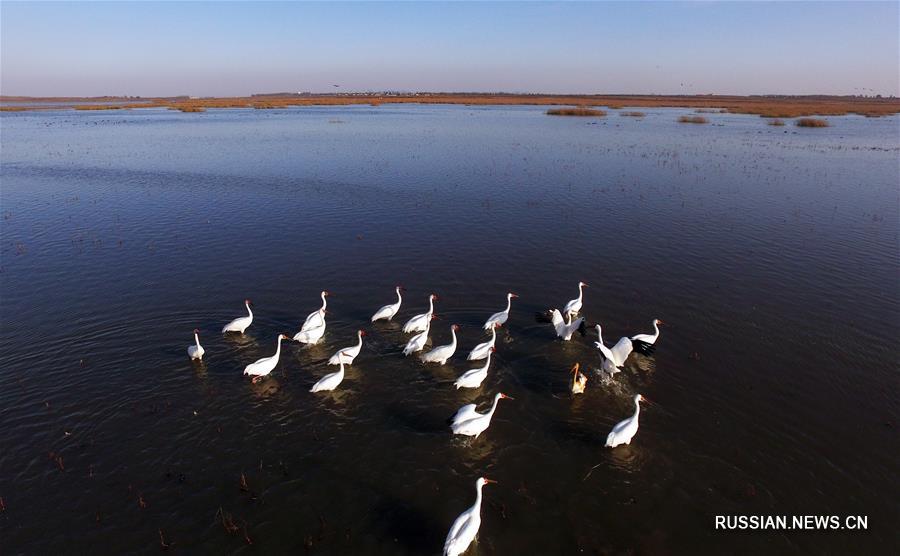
476, 507
359, 334
197, 339
324, 301
602, 347
453, 334
488, 362
637, 409
493, 336
430, 304
508, 303
580, 291
278, 347
655, 331
399, 297
341, 371
494, 406
249, 312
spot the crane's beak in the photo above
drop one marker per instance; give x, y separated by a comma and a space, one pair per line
490, 482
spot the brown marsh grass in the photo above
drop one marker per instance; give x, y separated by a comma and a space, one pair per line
575, 111
633, 114
766, 106
776, 122
812, 122
693, 120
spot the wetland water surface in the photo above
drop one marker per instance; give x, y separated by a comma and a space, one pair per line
771, 252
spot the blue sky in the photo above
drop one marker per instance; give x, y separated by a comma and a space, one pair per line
238, 48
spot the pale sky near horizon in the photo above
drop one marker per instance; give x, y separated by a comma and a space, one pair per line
239, 48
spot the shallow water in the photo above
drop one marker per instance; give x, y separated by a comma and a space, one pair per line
771, 252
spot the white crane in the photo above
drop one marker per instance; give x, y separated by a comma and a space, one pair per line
645, 343
483, 349
469, 422
417, 342
419, 322
241, 323
348, 354
465, 528
473, 378
195, 350
499, 319
317, 317
440, 354
574, 306
388, 311
262, 367
625, 430
311, 335
614, 357
564, 329
329, 381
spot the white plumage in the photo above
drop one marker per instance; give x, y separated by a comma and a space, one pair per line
499, 319
388, 311
483, 349
616, 356
574, 306
649, 338
317, 317
474, 377
625, 430
262, 367
417, 342
329, 381
465, 528
311, 335
195, 350
440, 354
565, 329
469, 422
347, 355
419, 322
241, 323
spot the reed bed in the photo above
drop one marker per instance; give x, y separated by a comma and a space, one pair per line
770, 107
575, 111
632, 114
812, 122
776, 122
693, 120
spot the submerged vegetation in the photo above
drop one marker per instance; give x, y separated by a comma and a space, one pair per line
633, 114
575, 111
776, 122
812, 122
693, 120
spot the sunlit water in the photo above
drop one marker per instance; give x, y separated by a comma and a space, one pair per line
772, 252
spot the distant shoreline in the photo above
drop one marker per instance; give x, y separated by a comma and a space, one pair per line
765, 106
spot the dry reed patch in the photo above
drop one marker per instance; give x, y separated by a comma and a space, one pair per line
776, 122
812, 122
575, 111
632, 114
693, 120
